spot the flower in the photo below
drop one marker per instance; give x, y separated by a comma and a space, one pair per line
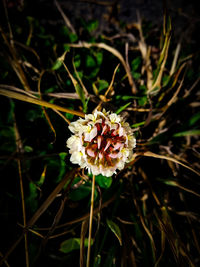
102, 143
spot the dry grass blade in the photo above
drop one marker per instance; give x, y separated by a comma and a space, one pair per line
6, 263
14, 61
36, 101
112, 81
116, 53
40, 211
177, 51
90, 222
80, 81
43, 108
78, 88
163, 55
148, 232
67, 21
20, 150
153, 155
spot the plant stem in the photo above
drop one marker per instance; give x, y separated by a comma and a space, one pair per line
90, 223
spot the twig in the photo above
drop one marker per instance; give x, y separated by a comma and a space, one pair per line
90, 223
67, 21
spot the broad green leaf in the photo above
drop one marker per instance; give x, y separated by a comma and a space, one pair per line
142, 101
90, 61
80, 193
188, 133
115, 229
102, 84
103, 181
72, 244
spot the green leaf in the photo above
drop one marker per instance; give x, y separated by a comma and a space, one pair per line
194, 119
62, 169
97, 261
73, 37
142, 101
135, 64
92, 26
102, 84
80, 193
136, 75
115, 229
99, 58
66, 47
32, 198
138, 124
188, 133
122, 108
103, 181
72, 244
57, 64
28, 149
90, 61
77, 61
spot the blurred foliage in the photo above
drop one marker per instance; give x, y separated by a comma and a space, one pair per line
147, 214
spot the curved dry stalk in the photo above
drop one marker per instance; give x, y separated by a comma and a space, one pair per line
112, 81
90, 222
116, 53
153, 155
39, 102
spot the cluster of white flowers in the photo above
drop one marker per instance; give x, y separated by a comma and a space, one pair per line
102, 143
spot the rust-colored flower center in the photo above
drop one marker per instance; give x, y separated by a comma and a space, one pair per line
105, 147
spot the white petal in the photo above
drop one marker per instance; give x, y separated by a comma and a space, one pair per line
93, 133
74, 143
107, 145
115, 155
76, 157
99, 141
118, 145
87, 137
114, 118
121, 131
90, 152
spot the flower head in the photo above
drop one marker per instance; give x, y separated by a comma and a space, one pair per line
102, 143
